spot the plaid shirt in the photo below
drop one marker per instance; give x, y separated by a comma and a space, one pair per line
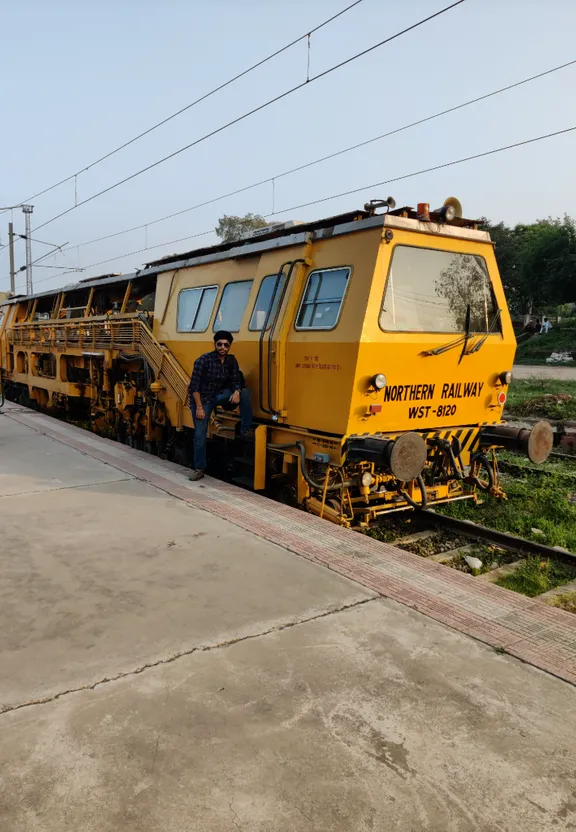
210, 375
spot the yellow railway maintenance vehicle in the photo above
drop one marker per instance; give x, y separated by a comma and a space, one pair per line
377, 348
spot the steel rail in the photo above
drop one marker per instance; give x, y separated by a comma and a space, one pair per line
516, 470
498, 538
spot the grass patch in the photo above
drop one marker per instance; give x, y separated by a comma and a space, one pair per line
537, 348
547, 398
536, 575
567, 601
543, 503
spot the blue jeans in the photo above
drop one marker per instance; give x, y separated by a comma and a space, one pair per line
201, 425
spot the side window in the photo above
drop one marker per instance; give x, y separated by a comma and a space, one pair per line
322, 300
264, 300
195, 307
232, 305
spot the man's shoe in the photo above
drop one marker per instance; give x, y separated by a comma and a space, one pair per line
197, 474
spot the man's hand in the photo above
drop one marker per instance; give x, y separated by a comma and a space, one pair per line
235, 397
200, 412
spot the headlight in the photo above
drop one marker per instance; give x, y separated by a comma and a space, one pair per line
506, 377
379, 381
367, 479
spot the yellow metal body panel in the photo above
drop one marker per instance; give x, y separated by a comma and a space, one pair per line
459, 390
260, 436
321, 365
188, 346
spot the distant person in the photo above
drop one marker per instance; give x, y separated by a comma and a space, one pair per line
216, 379
532, 327
546, 327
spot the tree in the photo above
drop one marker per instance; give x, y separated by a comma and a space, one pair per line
464, 284
506, 245
537, 262
231, 228
548, 260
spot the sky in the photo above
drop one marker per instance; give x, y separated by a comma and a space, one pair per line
80, 79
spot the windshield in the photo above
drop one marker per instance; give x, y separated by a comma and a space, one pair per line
430, 291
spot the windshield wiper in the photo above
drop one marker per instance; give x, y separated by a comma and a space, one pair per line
445, 347
466, 334
464, 339
479, 344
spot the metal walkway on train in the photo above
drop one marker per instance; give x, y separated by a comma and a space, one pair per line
190, 655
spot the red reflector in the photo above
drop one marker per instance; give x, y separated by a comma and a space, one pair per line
501, 398
375, 408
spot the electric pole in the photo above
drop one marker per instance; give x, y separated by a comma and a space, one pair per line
27, 210
11, 249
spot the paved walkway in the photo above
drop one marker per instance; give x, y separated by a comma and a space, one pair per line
167, 664
541, 371
527, 629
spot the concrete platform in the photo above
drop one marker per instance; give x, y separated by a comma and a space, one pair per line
168, 662
101, 573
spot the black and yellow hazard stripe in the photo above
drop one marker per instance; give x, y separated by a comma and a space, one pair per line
468, 436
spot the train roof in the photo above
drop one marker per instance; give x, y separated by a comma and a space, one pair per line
282, 235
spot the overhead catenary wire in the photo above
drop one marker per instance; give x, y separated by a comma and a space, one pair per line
410, 175
430, 170
207, 95
148, 248
251, 112
329, 156
68, 269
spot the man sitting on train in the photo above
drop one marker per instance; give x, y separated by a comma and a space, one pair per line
216, 380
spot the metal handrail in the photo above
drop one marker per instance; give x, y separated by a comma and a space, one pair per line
106, 333
273, 327
261, 342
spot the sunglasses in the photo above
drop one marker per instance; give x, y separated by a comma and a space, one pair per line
222, 344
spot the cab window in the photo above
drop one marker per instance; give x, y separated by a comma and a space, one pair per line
195, 308
233, 305
431, 291
264, 302
322, 299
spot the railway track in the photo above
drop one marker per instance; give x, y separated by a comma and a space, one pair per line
504, 540
518, 469
558, 455
466, 532
500, 557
